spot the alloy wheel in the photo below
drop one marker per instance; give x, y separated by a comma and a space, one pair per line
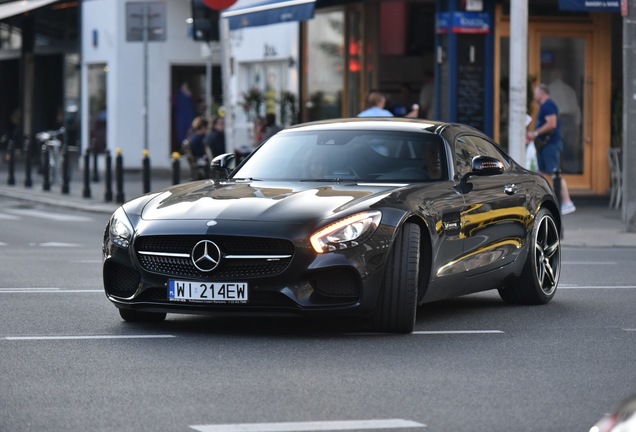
547, 251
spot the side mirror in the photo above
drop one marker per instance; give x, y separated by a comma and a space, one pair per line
222, 165
484, 166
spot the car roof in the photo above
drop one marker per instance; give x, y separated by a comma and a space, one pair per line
384, 124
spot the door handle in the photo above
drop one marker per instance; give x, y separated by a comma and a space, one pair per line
510, 189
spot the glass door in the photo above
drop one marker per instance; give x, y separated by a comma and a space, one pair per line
563, 62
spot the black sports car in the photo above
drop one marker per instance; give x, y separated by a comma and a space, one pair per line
356, 217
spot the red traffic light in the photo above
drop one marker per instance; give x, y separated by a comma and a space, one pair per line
219, 4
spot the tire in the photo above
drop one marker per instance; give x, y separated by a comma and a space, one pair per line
131, 315
397, 305
542, 269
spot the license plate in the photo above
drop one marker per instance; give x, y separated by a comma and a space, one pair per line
212, 292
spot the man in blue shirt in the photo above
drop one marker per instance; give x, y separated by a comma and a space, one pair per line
549, 156
376, 102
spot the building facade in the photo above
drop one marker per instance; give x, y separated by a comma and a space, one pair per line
85, 64
348, 48
146, 89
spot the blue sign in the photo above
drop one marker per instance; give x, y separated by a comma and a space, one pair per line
590, 5
463, 22
471, 22
442, 22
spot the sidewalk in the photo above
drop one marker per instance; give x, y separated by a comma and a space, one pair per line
592, 225
133, 187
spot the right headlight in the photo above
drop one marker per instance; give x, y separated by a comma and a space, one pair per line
121, 230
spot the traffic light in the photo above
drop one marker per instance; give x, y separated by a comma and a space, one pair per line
205, 22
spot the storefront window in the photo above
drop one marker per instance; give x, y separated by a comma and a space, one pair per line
97, 106
10, 37
563, 69
71, 97
324, 69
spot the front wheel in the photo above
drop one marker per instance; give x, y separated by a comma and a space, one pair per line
542, 269
131, 315
397, 305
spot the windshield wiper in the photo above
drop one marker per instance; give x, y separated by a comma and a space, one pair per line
244, 179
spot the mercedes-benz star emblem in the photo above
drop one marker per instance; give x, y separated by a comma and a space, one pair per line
206, 255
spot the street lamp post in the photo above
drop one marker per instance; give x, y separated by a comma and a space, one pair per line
518, 79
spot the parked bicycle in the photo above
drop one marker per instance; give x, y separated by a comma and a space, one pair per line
52, 146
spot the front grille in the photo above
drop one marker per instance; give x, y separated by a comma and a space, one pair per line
229, 245
153, 246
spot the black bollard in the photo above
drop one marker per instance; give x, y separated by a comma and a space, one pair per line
556, 181
66, 171
86, 192
119, 176
176, 168
28, 163
95, 170
108, 187
146, 171
46, 169
11, 155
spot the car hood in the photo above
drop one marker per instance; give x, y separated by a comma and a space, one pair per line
260, 201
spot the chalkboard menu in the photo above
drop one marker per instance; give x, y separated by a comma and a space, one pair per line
471, 77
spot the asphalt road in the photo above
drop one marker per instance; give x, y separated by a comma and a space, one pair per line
69, 363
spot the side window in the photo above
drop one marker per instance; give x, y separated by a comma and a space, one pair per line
486, 148
468, 146
464, 154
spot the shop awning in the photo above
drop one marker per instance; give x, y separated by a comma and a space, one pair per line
21, 6
269, 12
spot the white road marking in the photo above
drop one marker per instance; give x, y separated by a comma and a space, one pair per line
629, 330
60, 217
45, 291
28, 338
590, 263
55, 244
310, 426
3, 244
87, 261
603, 287
4, 216
457, 332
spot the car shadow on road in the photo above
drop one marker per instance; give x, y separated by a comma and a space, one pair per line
467, 310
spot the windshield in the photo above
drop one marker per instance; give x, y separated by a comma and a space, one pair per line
335, 155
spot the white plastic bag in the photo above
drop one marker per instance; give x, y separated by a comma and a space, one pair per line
531, 156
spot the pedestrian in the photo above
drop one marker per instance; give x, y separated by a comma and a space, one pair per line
271, 127
13, 132
196, 137
376, 102
427, 96
548, 142
259, 130
196, 150
184, 111
403, 107
215, 138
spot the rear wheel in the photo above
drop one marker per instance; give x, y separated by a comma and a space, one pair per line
541, 272
397, 305
131, 315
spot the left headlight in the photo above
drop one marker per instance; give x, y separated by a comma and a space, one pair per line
121, 230
346, 233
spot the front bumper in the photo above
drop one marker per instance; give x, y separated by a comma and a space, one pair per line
344, 283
